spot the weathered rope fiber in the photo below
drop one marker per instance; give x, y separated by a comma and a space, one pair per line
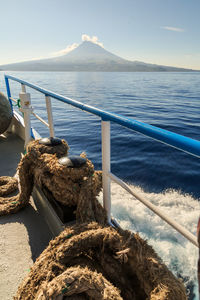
8, 185
69, 186
89, 260
26, 168
98, 262
77, 280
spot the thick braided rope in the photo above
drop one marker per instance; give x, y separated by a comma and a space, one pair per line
126, 261
78, 280
69, 186
8, 185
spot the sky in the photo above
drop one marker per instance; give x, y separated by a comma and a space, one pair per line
165, 32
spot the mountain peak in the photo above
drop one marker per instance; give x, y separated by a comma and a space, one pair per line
90, 43
89, 46
89, 51
90, 55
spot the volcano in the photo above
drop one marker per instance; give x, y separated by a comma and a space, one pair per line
89, 56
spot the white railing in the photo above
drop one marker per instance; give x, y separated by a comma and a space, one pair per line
172, 139
27, 110
108, 176
105, 142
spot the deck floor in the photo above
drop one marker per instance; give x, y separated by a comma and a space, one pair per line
11, 147
24, 235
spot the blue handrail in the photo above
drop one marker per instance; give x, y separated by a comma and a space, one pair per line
172, 139
8, 92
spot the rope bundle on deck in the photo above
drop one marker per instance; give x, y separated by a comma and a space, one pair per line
26, 168
8, 185
89, 260
69, 186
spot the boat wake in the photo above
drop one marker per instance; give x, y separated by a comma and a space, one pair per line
178, 253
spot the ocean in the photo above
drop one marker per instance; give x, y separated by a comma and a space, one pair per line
166, 176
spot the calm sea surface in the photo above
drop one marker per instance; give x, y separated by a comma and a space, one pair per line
167, 100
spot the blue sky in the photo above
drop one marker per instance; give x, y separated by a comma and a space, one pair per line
156, 31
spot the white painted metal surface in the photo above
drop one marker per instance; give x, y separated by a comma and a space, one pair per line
47, 211
105, 130
50, 115
23, 88
26, 109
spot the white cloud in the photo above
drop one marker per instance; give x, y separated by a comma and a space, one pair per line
66, 50
93, 39
69, 48
173, 28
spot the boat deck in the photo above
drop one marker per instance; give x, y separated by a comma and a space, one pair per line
24, 235
11, 147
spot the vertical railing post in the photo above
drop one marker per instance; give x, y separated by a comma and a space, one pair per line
23, 88
8, 91
50, 116
26, 109
105, 131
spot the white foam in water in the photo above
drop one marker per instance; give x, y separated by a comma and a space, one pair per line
178, 253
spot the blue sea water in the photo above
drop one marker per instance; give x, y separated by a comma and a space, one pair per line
167, 177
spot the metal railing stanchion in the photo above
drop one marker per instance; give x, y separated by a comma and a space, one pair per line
50, 115
23, 88
106, 167
26, 109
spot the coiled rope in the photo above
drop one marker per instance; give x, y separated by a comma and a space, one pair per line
89, 260
69, 186
8, 185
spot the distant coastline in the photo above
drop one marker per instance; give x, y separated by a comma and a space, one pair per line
89, 57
